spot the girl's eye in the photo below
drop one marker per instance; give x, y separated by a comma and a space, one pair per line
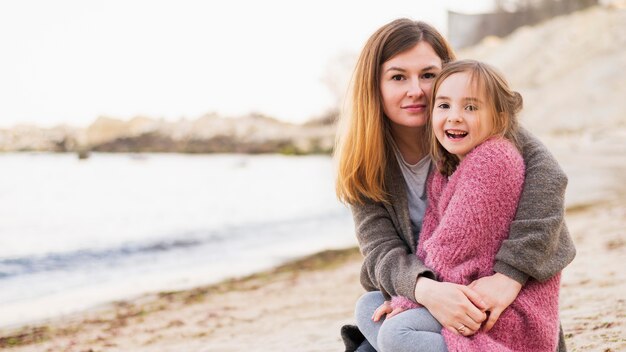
471, 108
443, 106
397, 77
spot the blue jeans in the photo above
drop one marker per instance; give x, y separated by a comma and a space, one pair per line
413, 330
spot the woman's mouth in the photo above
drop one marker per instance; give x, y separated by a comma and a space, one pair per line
455, 134
415, 107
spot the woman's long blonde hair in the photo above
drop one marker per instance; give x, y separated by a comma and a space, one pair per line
362, 146
502, 104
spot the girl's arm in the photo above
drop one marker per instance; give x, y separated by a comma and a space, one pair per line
539, 245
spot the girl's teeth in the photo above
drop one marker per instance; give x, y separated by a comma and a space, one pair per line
456, 134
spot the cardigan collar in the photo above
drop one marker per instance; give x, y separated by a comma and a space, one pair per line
396, 186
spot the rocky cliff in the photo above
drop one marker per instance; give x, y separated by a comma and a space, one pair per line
207, 134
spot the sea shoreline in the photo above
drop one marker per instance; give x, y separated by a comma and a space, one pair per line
78, 234
118, 312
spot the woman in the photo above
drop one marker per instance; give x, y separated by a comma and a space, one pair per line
383, 164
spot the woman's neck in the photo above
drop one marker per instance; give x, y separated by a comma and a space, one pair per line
411, 142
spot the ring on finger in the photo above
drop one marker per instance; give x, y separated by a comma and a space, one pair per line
461, 328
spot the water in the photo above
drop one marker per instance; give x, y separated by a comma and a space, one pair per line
77, 233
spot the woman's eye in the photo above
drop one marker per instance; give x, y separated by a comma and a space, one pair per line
397, 77
429, 75
471, 108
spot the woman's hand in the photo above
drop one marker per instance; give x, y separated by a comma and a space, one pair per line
458, 308
498, 291
386, 308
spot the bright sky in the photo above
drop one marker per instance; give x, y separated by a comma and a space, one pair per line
70, 61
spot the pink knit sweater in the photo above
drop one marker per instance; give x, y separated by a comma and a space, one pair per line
467, 219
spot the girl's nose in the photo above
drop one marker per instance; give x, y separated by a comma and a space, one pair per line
453, 116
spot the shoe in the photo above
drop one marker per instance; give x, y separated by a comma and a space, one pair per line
352, 337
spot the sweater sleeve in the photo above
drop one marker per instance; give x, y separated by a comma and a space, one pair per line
471, 227
539, 244
389, 264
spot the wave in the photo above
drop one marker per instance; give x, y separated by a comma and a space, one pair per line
258, 233
63, 261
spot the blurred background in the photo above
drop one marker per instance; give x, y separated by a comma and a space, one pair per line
160, 145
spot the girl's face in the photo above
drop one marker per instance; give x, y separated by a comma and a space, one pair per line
405, 84
461, 117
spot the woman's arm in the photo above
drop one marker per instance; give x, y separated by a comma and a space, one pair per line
389, 264
539, 244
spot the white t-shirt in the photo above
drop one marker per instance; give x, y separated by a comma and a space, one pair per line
415, 176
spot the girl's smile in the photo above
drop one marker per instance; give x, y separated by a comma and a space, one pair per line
455, 134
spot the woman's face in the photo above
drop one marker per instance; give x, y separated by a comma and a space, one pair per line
406, 80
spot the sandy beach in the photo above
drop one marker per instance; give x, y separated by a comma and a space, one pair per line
301, 306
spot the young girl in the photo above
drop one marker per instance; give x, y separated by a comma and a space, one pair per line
473, 198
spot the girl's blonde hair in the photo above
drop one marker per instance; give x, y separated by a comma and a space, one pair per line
362, 146
503, 104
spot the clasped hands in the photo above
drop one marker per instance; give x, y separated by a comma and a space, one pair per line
462, 309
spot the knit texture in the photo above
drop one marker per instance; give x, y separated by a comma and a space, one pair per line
465, 224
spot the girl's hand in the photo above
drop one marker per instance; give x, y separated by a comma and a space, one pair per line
386, 309
498, 291
458, 308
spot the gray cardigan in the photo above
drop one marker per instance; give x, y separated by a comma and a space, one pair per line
539, 245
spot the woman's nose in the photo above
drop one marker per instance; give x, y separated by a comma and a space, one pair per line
414, 89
